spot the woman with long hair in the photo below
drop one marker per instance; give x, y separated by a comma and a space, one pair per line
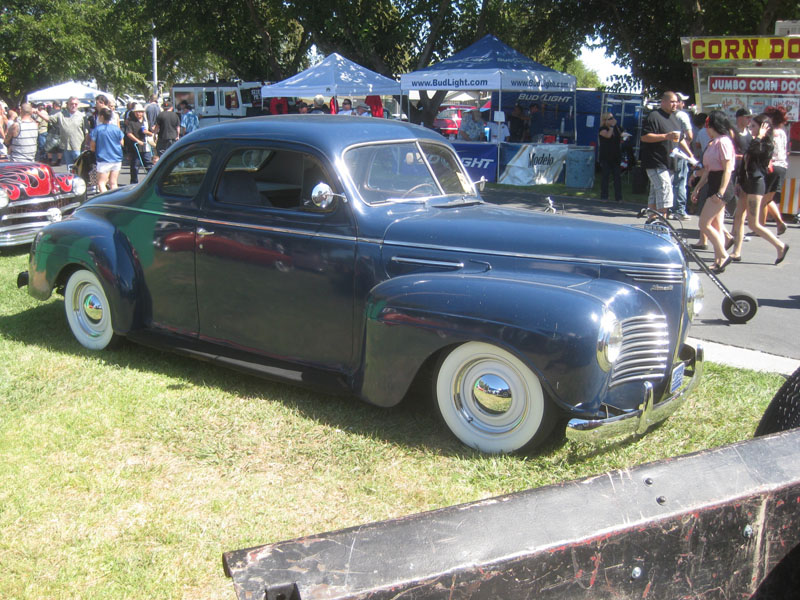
610, 155
780, 164
755, 169
718, 160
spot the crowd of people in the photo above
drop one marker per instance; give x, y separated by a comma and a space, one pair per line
57, 134
739, 168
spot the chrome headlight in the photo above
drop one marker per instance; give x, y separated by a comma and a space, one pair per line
3, 198
609, 340
694, 295
79, 186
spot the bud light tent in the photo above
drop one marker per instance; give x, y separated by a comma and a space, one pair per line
490, 65
334, 76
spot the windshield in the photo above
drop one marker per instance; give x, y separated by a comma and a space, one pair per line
406, 171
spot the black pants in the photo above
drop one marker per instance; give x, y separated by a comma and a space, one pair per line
139, 157
610, 168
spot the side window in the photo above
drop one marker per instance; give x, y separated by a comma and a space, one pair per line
270, 178
209, 95
185, 177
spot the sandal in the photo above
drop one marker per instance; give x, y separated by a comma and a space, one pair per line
720, 268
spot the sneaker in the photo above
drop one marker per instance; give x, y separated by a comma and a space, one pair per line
683, 217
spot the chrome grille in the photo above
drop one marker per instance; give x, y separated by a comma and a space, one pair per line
645, 350
666, 276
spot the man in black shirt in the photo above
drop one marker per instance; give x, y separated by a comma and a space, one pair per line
167, 127
661, 132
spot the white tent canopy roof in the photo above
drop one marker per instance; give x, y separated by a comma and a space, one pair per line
334, 76
489, 64
66, 90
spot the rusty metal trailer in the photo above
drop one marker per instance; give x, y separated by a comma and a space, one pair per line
721, 523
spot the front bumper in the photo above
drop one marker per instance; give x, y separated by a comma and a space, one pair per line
649, 412
22, 220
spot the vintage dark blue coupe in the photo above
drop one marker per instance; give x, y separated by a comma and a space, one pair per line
356, 255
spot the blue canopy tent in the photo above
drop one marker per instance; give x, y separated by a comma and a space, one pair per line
491, 65
488, 64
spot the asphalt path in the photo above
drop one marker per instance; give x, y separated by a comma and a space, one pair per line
777, 288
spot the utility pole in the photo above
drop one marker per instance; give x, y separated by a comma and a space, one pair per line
155, 65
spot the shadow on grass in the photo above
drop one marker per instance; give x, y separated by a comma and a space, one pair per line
412, 423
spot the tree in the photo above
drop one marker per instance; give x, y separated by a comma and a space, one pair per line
646, 39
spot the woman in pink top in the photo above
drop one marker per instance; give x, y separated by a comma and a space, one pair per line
718, 160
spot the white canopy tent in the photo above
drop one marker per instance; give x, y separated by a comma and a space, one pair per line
66, 90
334, 76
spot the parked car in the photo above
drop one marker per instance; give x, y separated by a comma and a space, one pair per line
449, 118
31, 196
356, 256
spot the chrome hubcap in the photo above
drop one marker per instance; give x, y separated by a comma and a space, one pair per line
492, 393
93, 308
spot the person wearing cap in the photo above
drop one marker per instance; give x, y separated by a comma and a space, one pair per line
73, 127
136, 132
679, 184
362, 109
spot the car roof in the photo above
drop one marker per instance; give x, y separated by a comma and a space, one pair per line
330, 133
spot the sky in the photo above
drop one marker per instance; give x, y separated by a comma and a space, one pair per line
596, 60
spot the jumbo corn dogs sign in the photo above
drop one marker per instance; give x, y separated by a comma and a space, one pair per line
753, 48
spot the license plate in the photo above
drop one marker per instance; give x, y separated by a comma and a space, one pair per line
677, 377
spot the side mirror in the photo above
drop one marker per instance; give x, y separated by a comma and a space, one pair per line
322, 196
481, 183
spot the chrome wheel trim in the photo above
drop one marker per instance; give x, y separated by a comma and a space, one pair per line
490, 400
88, 312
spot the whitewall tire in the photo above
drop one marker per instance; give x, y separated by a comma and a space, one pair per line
490, 400
88, 311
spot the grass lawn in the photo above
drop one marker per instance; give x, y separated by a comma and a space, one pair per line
127, 474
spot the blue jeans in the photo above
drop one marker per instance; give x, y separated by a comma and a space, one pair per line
70, 156
41, 155
679, 187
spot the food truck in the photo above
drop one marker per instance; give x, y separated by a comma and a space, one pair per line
753, 72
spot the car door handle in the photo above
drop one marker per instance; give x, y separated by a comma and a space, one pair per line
204, 232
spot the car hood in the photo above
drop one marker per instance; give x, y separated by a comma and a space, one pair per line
488, 229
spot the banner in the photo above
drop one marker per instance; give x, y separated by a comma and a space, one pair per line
753, 85
531, 164
479, 159
740, 48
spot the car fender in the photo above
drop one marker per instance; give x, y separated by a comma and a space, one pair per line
87, 242
551, 327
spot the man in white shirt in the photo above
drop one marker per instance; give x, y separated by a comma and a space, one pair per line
679, 184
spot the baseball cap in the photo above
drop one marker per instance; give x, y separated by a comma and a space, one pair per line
682, 96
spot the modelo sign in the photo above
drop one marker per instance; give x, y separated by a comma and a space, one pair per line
754, 85
741, 48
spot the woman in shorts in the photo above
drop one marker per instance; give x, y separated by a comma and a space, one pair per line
107, 145
754, 172
774, 181
718, 160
